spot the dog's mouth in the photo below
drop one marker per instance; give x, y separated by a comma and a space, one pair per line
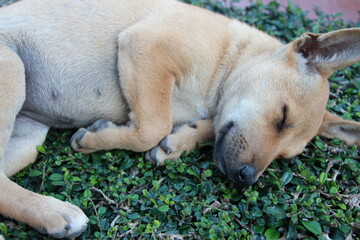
219, 154
226, 158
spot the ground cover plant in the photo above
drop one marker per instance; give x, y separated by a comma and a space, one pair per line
312, 196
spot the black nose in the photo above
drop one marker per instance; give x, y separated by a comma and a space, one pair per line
246, 175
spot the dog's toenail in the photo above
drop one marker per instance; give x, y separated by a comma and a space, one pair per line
192, 125
168, 150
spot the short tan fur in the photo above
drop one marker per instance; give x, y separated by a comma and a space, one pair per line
157, 76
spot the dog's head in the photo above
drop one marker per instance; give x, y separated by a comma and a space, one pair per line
274, 103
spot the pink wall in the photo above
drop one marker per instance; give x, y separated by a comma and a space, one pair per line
349, 8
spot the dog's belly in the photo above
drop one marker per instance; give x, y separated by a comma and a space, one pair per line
60, 94
60, 107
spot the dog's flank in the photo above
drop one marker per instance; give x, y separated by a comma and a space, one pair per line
133, 74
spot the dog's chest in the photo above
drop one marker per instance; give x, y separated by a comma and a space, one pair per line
190, 103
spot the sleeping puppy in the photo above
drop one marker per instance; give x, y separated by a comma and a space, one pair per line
127, 73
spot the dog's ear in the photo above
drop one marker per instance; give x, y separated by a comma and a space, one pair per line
330, 51
336, 127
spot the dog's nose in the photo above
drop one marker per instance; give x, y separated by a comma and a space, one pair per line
246, 175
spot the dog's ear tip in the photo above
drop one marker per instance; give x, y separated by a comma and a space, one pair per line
310, 35
336, 127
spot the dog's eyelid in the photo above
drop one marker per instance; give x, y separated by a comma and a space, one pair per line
280, 125
285, 110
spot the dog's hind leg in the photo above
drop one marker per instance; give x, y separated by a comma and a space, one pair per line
12, 94
21, 149
47, 214
182, 139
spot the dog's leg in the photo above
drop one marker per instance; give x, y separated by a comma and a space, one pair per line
47, 214
182, 139
21, 149
12, 94
147, 78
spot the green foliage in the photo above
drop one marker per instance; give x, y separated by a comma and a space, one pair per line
312, 196
6, 2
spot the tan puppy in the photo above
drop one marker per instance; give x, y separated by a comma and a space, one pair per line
135, 69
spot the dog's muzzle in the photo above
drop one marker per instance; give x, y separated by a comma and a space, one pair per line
243, 175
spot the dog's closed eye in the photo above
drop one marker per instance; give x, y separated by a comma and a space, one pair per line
281, 124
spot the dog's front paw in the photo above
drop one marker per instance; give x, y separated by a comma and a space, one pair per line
60, 219
183, 138
167, 149
92, 138
79, 143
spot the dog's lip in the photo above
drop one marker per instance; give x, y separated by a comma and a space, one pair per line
218, 153
221, 165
